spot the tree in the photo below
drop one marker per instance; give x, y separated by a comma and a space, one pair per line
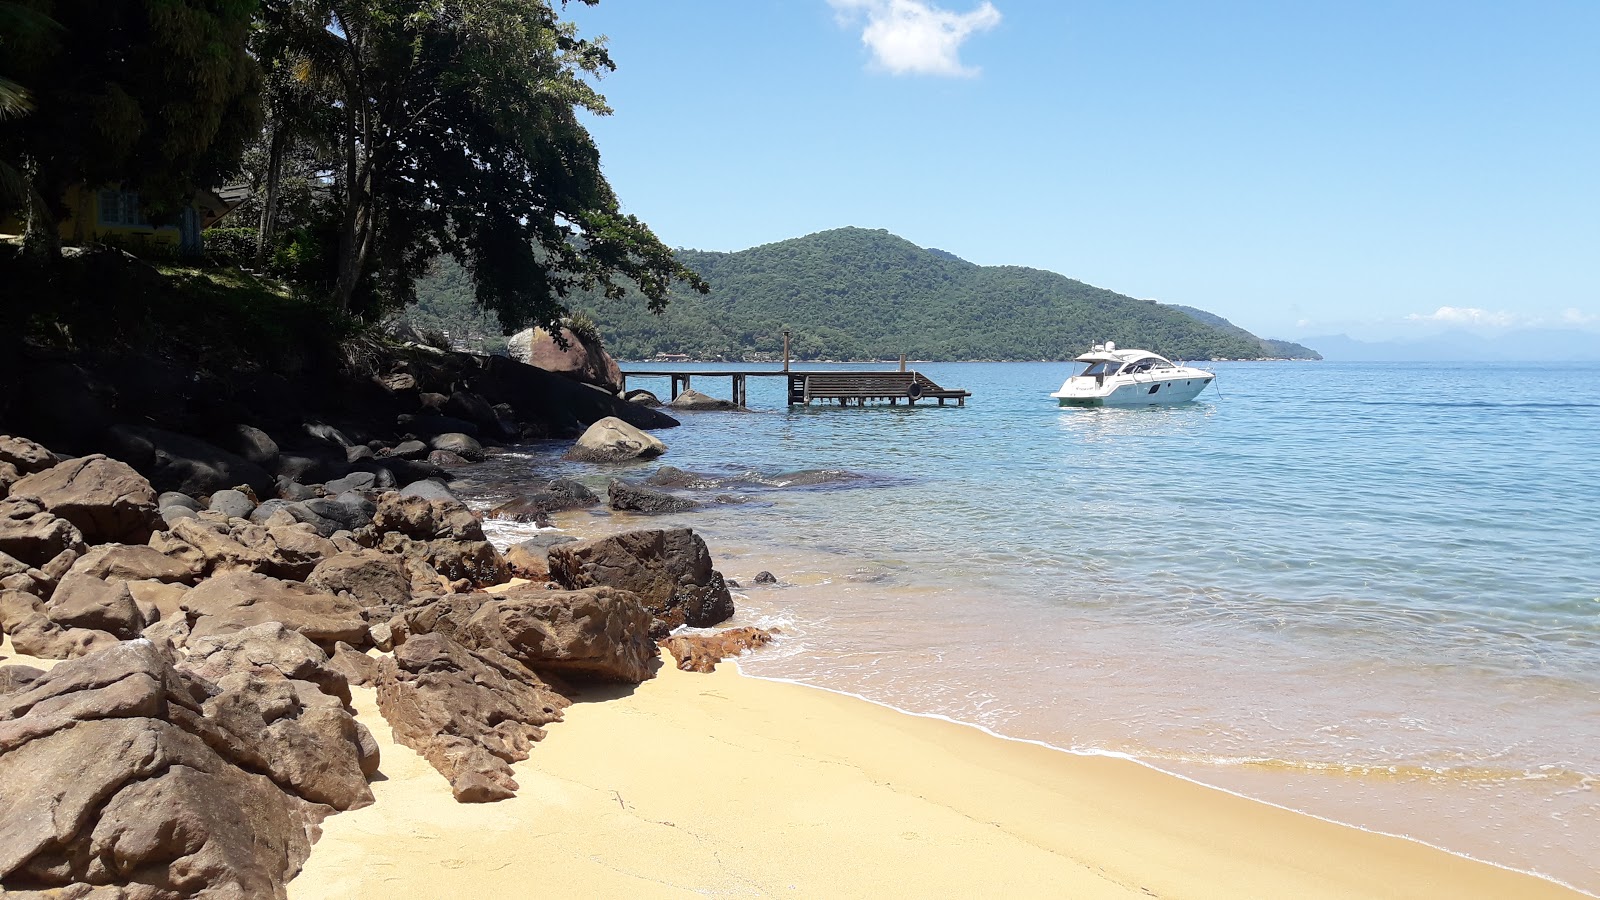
159, 96
457, 133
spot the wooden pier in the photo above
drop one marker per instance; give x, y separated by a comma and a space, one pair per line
843, 388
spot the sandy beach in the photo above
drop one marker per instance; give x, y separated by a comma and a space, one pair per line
728, 785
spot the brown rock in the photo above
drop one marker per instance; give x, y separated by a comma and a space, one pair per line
158, 601
426, 520
8, 476
470, 714
107, 784
34, 536
105, 498
291, 551
14, 678
358, 668
23, 617
670, 570
84, 601
596, 633
26, 456
228, 603
555, 495
133, 562
702, 652
269, 650
521, 562
579, 360
209, 548
366, 576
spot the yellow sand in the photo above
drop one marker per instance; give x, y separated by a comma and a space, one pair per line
732, 786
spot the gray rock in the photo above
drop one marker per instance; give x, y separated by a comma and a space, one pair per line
289, 489
428, 490
643, 397
613, 440
173, 514
410, 450
355, 481
765, 578
358, 453
174, 498
695, 401
461, 444
233, 504
637, 498
176, 462
254, 445
328, 435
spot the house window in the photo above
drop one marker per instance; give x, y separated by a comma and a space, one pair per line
120, 209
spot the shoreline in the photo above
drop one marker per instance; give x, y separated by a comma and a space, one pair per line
732, 783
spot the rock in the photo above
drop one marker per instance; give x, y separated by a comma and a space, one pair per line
158, 601
177, 500
208, 549
580, 360
474, 562
594, 634
612, 440
367, 577
410, 450
104, 498
470, 406
427, 519
554, 495
253, 445
358, 453
428, 489
313, 466
23, 617
672, 476
470, 714
428, 425
293, 491
559, 407
695, 401
765, 578
347, 511
176, 462
432, 401
26, 456
115, 776
291, 551
642, 397
172, 515
8, 476
233, 504
670, 570
83, 601
636, 498
235, 601
399, 382
355, 481
268, 648
460, 444
448, 459
34, 536
14, 678
327, 435
702, 652
524, 563
358, 668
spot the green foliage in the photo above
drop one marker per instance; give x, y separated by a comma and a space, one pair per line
157, 95
852, 293
585, 328
233, 246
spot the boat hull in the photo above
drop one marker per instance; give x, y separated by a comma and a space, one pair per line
1147, 392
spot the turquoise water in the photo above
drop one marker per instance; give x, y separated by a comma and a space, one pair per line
1368, 591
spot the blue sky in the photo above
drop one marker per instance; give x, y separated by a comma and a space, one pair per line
1382, 169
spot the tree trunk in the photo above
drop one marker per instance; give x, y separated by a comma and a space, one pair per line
266, 232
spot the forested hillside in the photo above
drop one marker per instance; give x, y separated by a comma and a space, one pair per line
1273, 348
854, 293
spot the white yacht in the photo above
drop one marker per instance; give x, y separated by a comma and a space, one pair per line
1115, 377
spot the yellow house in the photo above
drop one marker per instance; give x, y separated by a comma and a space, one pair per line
111, 214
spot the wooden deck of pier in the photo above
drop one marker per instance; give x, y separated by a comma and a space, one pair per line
843, 388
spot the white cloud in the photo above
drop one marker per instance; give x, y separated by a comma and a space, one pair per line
1466, 315
1575, 316
914, 37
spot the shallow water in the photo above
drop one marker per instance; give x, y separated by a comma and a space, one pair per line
1367, 591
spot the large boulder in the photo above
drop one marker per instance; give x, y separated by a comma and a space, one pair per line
105, 498
463, 445
83, 601
425, 520
580, 360
118, 783
268, 649
176, 462
612, 440
622, 495
670, 570
235, 601
207, 548
252, 444
34, 536
594, 634
233, 504
561, 406
26, 456
695, 401
369, 578
33, 633
468, 713
133, 562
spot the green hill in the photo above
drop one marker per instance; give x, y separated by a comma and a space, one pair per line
1274, 349
854, 293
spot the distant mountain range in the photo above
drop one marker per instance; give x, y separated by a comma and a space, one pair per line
855, 293
1532, 344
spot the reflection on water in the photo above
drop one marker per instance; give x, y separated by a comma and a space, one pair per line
1383, 612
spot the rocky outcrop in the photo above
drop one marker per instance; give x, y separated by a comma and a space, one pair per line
702, 652
104, 498
612, 440
579, 360
695, 401
621, 495
117, 777
468, 713
268, 649
596, 634
227, 603
670, 570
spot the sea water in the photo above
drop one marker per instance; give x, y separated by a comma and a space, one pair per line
1370, 592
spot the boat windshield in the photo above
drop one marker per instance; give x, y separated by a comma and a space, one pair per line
1102, 368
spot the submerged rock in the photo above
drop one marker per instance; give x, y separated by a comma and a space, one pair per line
702, 652
612, 440
622, 495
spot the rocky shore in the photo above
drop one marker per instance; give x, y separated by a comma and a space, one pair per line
198, 727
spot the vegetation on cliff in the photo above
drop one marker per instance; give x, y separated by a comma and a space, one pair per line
854, 293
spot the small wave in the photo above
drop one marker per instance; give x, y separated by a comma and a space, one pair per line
1458, 774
